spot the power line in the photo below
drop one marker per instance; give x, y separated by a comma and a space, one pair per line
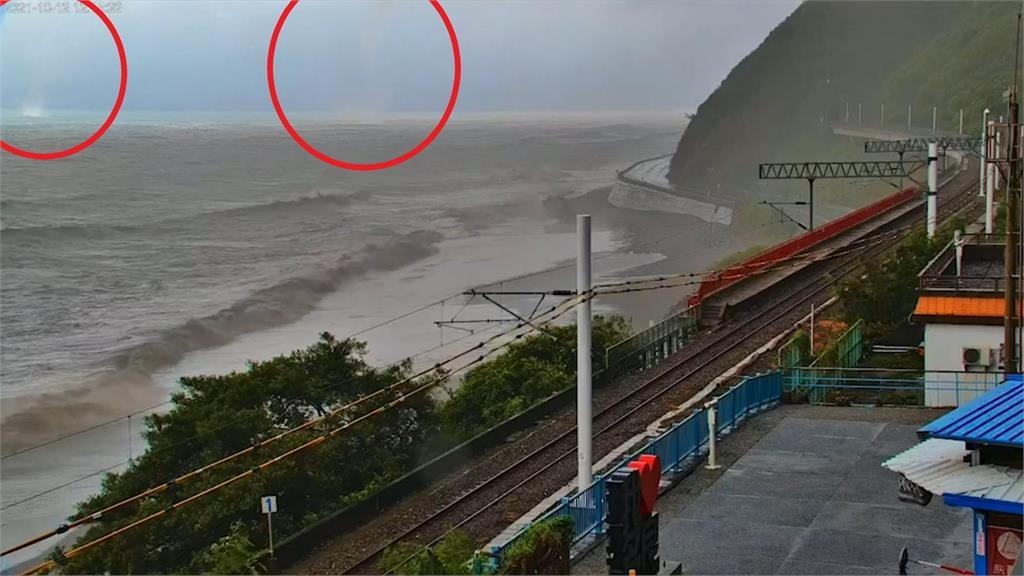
309, 444
224, 425
160, 488
380, 324
167, 402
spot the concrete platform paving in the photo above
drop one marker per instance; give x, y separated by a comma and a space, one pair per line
803, 492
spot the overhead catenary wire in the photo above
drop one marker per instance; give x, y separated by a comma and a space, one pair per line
360, 332
555, 311
598, 290
566, 305
163, 487
229, 423
88, 429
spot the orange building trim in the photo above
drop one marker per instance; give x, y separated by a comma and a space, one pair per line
960, 307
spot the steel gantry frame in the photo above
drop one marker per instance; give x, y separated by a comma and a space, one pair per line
970, 144
812, 171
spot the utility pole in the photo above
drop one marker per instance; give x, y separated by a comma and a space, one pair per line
935, 118
1010, 365
584, 437
961, 121
990, 178
909, 115
933, 188
1012, 233
984, 154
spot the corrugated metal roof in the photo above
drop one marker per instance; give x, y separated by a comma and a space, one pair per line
996, 417
969, 307
938, 466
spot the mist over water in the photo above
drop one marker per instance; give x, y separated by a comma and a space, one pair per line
170, 238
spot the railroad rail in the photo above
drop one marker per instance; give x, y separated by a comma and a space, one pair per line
482, 501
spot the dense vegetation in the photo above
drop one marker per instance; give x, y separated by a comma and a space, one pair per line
775, 105
452, 555
528, 371
885, 293
213, 416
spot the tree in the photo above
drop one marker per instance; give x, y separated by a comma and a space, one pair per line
232, 554
527, 372
885, 293
213, 416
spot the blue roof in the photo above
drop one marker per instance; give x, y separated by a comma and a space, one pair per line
997, 417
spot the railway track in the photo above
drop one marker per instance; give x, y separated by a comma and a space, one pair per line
481, 502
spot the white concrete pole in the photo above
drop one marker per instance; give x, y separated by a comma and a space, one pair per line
909, 113
811, 347
984, 151
997, 153
990, 209
712, 409
933, 187
935, 119
584, 435
883, 115
847, 112
958, 243
961, 121
860, 114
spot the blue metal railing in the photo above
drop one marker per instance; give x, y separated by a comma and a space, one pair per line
677, 449
935, 389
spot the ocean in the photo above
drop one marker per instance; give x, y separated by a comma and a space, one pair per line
177, 246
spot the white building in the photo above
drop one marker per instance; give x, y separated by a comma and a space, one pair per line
961, 304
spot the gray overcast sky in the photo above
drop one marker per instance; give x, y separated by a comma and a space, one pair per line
347, 56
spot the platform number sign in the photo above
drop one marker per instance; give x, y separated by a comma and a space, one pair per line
268, 504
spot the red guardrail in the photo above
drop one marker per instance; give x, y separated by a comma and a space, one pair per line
720, 279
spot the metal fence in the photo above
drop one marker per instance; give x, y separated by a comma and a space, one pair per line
677, 449
838, 385
648, 348
791, 354
844, 352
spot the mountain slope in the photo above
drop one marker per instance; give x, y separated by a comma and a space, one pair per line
777, 103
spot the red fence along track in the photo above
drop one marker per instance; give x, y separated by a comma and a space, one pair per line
722, 278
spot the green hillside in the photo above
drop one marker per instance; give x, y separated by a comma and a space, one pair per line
776, 104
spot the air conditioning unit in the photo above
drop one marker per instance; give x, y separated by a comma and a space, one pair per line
977, 357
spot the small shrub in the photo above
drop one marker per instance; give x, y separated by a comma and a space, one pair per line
450, 556
543, 549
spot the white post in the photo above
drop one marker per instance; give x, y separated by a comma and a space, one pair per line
883, 114
984, 151
909, 113
997, 153
712, 408
811, 347
270, 534
990, 181
935, 117
958, 243
860, 114
933, 187
961, 121
847, 112
585, 473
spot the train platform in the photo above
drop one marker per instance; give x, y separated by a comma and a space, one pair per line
720, 297
802, 491
717, 306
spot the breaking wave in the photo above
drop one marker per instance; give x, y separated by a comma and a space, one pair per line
127, 385
278, 208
